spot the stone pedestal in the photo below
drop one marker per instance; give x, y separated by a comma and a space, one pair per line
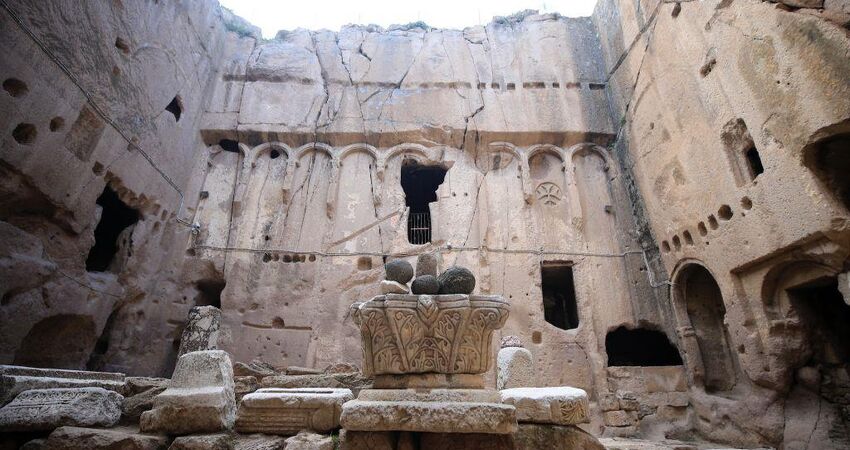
200, 396
288, 411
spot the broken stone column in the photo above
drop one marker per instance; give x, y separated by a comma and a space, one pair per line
46, 409
514, 365
199, 398
201, 332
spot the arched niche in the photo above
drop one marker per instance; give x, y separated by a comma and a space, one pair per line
591, 172
829, 159
357, 189
498, 156
306, 213
261, 204
63, 341
775, 296
701, 310
550, 192
215, 200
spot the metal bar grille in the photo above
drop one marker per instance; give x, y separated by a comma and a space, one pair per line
419, 228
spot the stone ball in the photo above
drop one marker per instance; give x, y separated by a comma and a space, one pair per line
511, 341
399, 270
456, 280
426, 264
425, 285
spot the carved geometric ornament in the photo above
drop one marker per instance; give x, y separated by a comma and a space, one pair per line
548, 193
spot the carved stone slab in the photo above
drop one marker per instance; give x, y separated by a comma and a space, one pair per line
554, 405
46, 409
17, 379
448, 334
429, 416
288, 411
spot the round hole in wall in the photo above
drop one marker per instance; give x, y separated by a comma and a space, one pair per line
57, 123
677, 243
712, 222
702, 229
274, 154
688, 238
24, 133
312, 258
287, 258
746, 203
725, 212
15, 87
665, 246
267, 257
122, 45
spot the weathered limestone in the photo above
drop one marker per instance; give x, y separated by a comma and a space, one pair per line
16, 379
202, 330
199, 398
429, 416
553, 405
426, 264
75, 438
306, 440
46, 409
288, 411
393, 287
514, 368
467, 320
139, 393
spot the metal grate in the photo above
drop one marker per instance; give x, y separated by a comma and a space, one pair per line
419, 228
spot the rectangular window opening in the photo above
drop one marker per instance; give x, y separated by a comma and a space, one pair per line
754, 161
559, 297
420, 183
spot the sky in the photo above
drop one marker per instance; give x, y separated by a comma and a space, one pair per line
274, 15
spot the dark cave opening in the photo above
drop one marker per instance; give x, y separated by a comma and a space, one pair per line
115, 217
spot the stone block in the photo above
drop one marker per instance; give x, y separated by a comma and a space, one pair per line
436, 417
16, 379
515, 368
555, 405
288, 411
367, 440
74, 438
218, 441
393, 287
200, 397
430, 395
243, 386
628, 401
202, 330
665, 379
430, 381
534, 436
620, 418
426, 264
306, 440
46, 409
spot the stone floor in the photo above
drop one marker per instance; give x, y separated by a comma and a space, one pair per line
617, 443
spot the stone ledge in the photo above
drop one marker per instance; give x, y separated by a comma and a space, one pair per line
435, 417
552, 405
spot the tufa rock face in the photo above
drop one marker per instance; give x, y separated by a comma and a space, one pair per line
399, 270
46, 409
457, 280
425, 285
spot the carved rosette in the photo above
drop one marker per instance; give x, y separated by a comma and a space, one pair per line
448, 334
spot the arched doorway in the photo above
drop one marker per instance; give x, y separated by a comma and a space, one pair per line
702, 310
